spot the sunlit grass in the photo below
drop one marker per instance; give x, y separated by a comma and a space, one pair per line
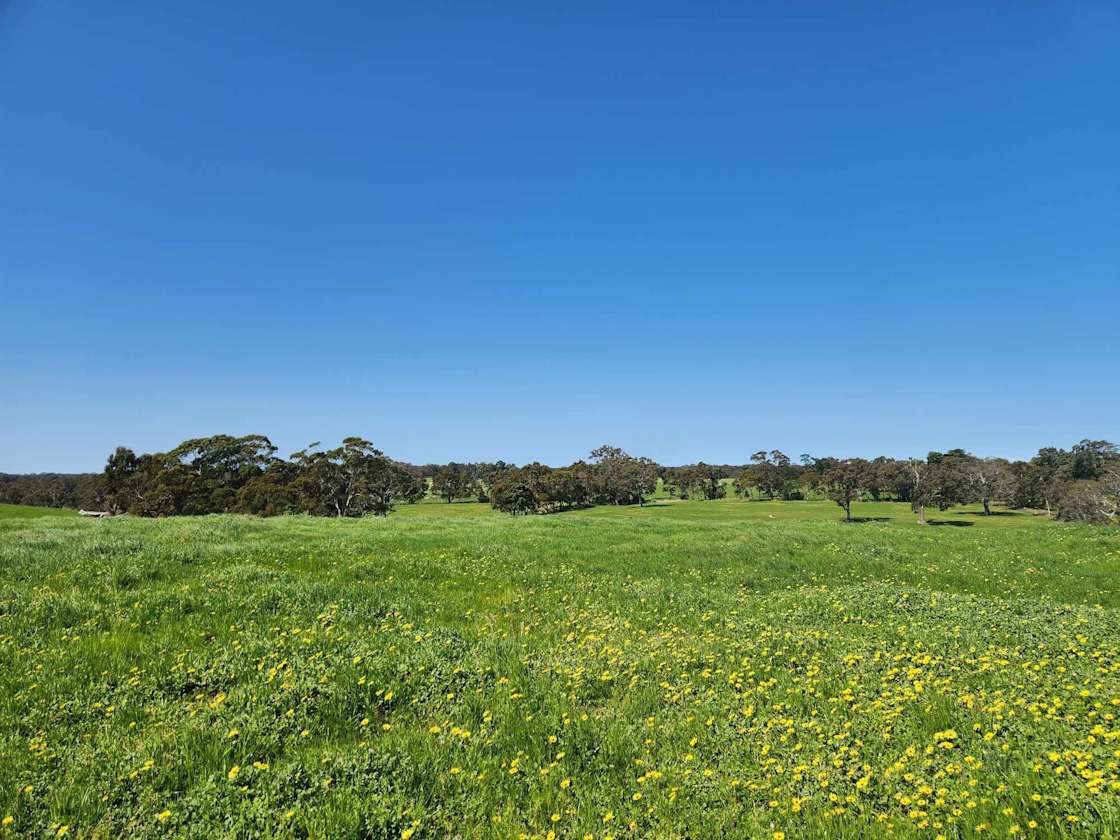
740, 510
685, 670
27, 511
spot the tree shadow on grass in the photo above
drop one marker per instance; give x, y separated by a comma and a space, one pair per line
993, 513
950, 522
858, 519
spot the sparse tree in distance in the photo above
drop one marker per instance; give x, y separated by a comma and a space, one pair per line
844, 482
921, 488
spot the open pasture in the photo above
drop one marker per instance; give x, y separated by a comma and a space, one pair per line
731, 510
31, 512
689, 669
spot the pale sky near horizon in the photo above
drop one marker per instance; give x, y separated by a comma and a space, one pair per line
474, 231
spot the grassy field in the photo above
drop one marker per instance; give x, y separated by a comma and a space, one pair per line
737, 510
690, 669
27, 511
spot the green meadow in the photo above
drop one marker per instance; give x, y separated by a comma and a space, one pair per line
723, 669
29, 512
737, 510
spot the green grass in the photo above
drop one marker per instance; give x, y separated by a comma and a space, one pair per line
690, 669
738, 510
27, 511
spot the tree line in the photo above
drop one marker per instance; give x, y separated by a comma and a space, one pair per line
54, 490
1078, 484
227, 474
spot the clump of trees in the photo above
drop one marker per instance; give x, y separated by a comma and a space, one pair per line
611, 477
1075, 484
1081, 484
941, 481
224, 474
772, 475
1095, 501
536, 488
352, 480
695, 481
56, 490
456, 481
620, 479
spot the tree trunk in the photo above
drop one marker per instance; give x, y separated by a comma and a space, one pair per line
921, 514
848, 511
987, 510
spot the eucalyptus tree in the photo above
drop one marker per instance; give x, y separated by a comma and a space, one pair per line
989, 480
454, 481
845, 481
618, 478
352, 480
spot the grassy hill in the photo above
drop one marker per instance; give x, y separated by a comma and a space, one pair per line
690, 669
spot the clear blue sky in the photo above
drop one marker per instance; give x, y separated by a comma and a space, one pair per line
519, 230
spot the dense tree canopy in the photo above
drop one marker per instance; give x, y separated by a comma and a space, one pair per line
696, 481
351, 480
620, 479
611, 478
224, 474
56, 490
454, 481
771, 474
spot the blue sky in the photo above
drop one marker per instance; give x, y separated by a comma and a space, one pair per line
495, 230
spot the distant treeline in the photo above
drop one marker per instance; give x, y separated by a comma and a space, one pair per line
56, 490
225, 474
1078, 484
